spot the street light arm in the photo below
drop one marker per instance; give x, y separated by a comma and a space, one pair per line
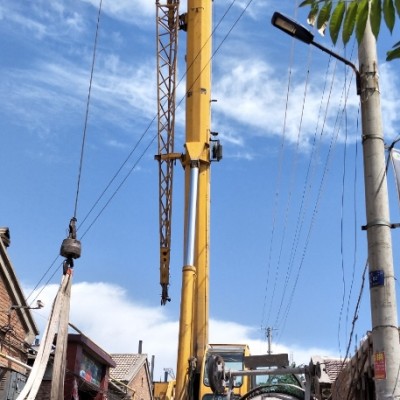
343, 60
299, 32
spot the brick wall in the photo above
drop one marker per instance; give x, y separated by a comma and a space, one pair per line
44, 391
141, 385
12, 333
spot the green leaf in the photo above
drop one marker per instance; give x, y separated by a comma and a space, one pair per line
312, 16
392, 54
361, 19
349, 21
306, 2
397, 4
324, 15
375, 16
389, 14
336, 20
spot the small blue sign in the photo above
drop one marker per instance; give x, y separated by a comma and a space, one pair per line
376, 278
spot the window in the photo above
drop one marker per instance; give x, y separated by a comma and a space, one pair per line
90, 370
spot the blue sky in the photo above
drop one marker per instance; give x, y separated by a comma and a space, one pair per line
287, 201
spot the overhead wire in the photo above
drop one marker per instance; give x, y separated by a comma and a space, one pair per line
302, 210
355, 315
290, 193
286, 280
275, 203
315, 210
342, 235
355, 225
120, 185
271, 301
276, 194
355, 208
389, 149
345, 93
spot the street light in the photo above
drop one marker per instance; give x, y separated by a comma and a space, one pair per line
298, 31
385, 331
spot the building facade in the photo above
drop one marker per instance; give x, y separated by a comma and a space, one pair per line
17, 327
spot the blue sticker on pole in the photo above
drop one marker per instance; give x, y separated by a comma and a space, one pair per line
376, 278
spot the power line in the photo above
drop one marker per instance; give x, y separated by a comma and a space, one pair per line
302, 210
277, 185
315, 210
355, 315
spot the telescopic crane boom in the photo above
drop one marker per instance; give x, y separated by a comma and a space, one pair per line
194, 309
196, 160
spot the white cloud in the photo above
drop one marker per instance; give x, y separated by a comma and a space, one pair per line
110, 317
43, 20
256, 10
390, 101
75, 21
259, 90
49, 90
126, 10
38, 29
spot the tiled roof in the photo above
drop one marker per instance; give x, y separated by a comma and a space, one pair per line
127, 366
333, 367
330, 367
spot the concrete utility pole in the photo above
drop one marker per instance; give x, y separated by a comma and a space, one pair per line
269, 337
385, 334
268, 333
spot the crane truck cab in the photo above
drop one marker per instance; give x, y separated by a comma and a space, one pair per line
233, 356
231, 373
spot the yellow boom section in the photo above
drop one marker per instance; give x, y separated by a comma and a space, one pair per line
193, 327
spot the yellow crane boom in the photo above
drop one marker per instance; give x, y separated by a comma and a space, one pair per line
196, 160
193, 326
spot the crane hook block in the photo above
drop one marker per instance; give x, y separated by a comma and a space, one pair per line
70, 248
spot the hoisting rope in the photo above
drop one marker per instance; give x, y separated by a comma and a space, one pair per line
59, 316
87, 109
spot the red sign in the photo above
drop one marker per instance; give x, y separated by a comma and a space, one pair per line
380, 365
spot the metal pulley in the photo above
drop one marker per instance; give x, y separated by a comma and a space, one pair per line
70, 248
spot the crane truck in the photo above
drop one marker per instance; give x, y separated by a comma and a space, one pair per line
204, 371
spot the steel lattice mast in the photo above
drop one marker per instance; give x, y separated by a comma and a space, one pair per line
167, 43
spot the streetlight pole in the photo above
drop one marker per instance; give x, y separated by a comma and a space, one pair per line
385, 333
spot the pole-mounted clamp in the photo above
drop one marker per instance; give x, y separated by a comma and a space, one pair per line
366, 137
380, 222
